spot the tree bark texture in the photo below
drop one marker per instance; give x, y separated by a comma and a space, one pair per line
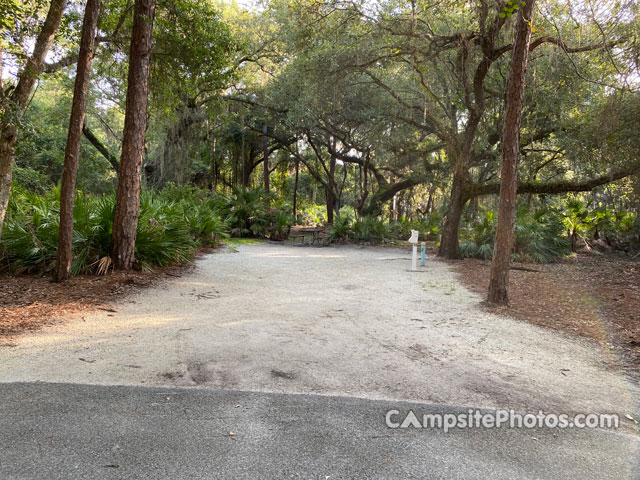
499, 280
265, 159
449, 242
295, 192
127, 208
331, 185
74, 137
19, 98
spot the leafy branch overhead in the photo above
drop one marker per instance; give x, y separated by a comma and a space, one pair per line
387, 109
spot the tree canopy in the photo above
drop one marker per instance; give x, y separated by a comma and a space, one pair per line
385, 108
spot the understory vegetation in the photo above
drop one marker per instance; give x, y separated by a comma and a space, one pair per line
173, 224
176, 221
549, 233
368, 118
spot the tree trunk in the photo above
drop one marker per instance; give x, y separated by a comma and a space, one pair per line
364, 190
295, 193
101, 147
214, 165
235, 157
449, 242
20, 98
72, 152
8, 136
265, 159
474, 206
394, 208
248, 166
499, 280
429, 206
331, 185
127, 208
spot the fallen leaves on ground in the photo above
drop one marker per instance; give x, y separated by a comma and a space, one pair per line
31, 302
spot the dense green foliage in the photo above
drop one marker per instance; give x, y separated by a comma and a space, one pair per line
176, 221
547, 234
173, 223
538, 236
374, 230
164, 234
367, 109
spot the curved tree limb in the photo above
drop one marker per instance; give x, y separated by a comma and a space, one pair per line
560, 186
101, 147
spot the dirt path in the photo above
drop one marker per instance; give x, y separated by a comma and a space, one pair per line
343, 321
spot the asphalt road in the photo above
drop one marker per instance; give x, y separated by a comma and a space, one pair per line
67, 431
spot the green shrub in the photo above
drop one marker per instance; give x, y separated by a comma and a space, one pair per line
280, 225
428, 226
313, 215
204, 221
93, 224
370, 229
579, 221
249, 216
470, 249
341, 229
538, 236
170, 228
163, 236
30, 232
247, 209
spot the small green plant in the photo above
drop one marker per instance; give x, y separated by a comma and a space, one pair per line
280, 225
341, 228
249, 215
538, 235
370, 229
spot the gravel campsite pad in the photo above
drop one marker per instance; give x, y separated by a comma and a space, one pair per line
343, 321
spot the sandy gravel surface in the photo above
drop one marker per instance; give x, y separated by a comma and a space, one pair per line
343, 321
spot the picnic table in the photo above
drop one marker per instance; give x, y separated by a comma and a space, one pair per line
308, 236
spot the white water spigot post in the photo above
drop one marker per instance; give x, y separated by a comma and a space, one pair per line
414, 258
414, 254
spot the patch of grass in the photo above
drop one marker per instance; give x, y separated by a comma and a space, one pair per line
236, 241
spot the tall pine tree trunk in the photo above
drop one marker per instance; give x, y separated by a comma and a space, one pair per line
499, 281
265, 166
213, 173
331, 185
125, 221
17, 102
72, 152
295, 192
